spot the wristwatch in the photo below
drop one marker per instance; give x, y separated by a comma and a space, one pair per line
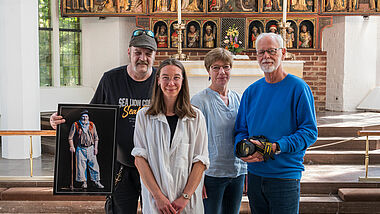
278, 149
186, 196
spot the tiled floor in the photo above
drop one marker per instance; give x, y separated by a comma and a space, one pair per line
44, 165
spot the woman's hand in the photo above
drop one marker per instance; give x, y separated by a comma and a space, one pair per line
164, 206
179, 204
204, 193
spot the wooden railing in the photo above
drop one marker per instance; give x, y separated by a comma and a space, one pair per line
29, 133
368, 133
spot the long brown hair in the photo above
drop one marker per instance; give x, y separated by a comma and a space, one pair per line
182, 106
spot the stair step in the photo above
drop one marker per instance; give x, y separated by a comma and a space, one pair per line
344, 131
328, 188
340, 157
42, 194
319, 204
359, 194
345, 143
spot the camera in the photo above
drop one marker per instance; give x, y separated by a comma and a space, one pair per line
245, 148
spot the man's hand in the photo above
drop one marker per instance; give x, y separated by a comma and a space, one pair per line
72, 149
95, 150
56, 120
180, 203
164, 206
255, 157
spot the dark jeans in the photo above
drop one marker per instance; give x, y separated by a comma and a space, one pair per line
127, 191
273, 195
223, 194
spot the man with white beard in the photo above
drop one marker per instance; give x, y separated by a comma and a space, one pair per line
280, 108
84, 136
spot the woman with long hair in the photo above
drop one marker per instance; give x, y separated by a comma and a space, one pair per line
171, 150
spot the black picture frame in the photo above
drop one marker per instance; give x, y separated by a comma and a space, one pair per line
104, 118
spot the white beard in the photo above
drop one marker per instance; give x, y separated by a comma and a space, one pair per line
268, 68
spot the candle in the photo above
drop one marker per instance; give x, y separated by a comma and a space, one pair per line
284, 8
179, 11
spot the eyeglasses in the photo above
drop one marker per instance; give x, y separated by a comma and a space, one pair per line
167, 79
270, 51
140, 32
216, 68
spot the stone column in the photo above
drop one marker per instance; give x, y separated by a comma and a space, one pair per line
19, 76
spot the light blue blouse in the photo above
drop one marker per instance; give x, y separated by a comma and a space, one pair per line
220, 120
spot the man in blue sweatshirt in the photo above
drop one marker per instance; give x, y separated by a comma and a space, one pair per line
280, 107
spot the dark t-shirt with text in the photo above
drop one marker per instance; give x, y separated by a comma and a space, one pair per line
117, 88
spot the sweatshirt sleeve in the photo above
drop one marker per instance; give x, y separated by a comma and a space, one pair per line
307, 131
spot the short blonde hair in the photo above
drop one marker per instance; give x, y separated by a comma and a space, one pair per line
218, 54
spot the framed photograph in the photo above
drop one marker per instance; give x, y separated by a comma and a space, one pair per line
85, 149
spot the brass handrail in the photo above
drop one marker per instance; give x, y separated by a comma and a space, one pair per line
29, 133
368, 133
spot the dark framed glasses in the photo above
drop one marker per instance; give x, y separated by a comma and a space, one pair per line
140, 32
270, 51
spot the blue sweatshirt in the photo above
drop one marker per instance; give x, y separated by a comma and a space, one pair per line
284, 113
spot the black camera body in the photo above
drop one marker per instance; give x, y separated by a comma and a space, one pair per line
245, 147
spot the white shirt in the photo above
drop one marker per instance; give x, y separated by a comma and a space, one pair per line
171, 165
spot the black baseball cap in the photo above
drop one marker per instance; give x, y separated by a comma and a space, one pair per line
140, 38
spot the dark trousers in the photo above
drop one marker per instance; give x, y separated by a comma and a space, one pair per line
273, 195
127, 192
223, 194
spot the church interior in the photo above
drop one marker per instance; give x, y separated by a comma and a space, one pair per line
56, 51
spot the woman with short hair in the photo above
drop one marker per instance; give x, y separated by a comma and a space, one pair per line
224, 180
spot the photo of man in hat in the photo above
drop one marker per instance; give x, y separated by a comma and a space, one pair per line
83, 140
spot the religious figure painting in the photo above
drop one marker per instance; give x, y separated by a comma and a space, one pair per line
255, 29
85, 149
209, 35
161, 34
174, 36
306, 34
301, 6
291, 35
272, 27
272, 6
102, 7
232, 6
187, 6
193, 35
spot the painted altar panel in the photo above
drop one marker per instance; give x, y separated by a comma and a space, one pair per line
103, 7
232, 6
200, 33
300, 35
350, 7
171, 6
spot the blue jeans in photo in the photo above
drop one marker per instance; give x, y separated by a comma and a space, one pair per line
223, 194
273, 195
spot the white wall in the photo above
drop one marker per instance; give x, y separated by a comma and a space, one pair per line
351, 61
360, 60
104, 46
333, 41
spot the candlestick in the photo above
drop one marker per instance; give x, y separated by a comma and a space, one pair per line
284, 9
179, 11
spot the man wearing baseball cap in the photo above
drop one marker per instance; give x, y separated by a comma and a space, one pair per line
128, 86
